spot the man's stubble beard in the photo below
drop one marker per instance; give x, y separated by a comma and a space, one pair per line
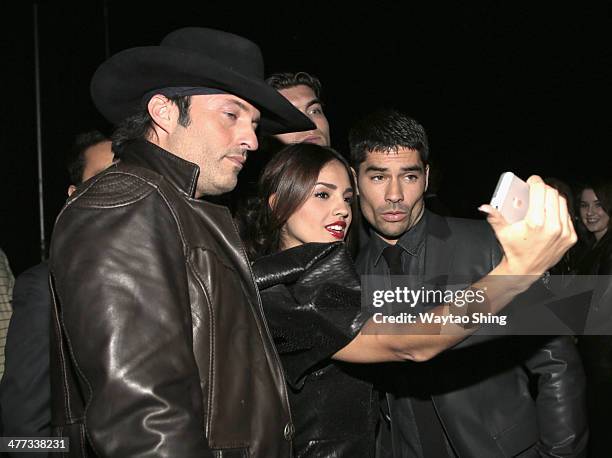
208, 187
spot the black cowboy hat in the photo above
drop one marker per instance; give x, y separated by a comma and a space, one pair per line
193, 57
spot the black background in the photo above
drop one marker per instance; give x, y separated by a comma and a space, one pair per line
498, 86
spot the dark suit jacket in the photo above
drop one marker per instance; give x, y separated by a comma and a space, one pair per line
25, 391
495, 397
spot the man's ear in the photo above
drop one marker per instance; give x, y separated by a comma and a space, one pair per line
71, 189
356, 182
426, 177
164, 114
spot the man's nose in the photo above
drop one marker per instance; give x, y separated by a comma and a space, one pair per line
394, 191
249, 140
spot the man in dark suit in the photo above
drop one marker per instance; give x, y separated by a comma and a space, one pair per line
24, 390
503, 397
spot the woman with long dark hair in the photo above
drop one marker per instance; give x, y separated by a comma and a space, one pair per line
311, 296
595, 209
307, 194
284, 186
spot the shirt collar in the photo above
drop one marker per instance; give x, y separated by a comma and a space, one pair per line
411, 241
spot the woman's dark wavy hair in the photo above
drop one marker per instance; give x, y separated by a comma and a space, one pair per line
290, 175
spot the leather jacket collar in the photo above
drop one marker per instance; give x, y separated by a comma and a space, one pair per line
181, 173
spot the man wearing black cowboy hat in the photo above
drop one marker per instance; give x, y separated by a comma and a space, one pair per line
159, 344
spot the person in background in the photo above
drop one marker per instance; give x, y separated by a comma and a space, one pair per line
595, 209
90, 154
6, 293
25, 393
304, 92
570, 258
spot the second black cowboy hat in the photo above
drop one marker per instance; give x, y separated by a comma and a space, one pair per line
193, 57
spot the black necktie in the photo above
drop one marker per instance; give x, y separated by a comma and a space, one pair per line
393, 256
428, 424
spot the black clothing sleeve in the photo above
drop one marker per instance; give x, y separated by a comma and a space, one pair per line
561, 396
311, 300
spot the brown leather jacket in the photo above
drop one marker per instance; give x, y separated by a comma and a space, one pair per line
159, 345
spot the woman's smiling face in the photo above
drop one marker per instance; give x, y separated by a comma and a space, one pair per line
326, 214
593, 214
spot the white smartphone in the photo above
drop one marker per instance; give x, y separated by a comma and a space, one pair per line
511, 197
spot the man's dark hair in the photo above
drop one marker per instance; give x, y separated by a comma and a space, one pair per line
76, 159
386, 130
288, 80
138, 126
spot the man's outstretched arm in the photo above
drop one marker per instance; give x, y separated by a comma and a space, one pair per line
530, 246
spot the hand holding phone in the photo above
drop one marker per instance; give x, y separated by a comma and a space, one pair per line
511, 197
535, 228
